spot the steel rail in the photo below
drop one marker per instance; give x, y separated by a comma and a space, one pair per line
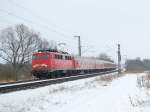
38, 83
6, 83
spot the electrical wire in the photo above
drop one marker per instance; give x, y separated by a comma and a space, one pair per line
32, 22
37, 16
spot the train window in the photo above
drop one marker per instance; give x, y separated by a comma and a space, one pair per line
58, 56
67, 57
44, 56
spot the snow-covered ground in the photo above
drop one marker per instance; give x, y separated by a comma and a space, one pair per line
85, 95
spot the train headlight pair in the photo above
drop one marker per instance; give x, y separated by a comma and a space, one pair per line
40, 65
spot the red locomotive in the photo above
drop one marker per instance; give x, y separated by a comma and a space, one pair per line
51, 64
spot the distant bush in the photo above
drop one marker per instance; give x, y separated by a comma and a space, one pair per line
144, 81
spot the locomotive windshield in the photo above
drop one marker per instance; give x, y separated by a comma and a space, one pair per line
43, 56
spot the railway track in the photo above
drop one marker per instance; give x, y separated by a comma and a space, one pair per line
22, 85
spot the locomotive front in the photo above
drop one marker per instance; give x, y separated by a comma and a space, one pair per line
41, 64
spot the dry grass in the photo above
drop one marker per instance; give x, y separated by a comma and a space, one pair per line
61, 88
144, 81
102, 80
107, 78
6, 81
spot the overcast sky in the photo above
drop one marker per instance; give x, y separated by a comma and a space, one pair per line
102, 24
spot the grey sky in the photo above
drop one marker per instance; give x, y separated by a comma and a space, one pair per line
100, 23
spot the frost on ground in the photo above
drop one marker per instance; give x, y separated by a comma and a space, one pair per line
86, 95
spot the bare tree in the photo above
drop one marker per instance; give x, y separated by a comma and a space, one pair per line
44, 44
53, 45
17, 45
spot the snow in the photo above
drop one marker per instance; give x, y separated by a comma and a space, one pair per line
86, 95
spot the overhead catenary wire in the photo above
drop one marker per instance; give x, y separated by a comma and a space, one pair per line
62, 33
39, 17
29, 11
32, 22
18, 17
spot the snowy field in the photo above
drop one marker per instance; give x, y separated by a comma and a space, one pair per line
86, 95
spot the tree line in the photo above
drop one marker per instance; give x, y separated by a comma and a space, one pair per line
137, 65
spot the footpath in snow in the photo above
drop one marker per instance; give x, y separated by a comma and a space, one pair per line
85, 95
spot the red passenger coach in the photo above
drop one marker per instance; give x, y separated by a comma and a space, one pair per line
51, 64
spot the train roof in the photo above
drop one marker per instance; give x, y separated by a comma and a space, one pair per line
91, 58
52, 50
65, 53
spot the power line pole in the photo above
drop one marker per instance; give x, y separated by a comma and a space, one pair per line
119, 59
79, 45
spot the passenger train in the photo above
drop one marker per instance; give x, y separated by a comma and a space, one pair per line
53, 64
